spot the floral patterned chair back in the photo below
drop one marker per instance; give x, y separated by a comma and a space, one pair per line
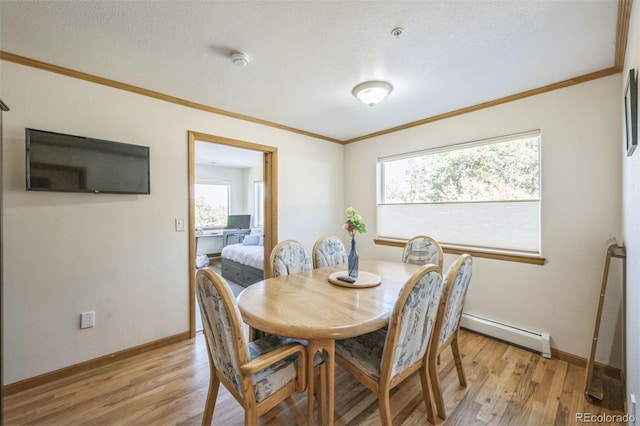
328, 251
413, 319
280, 373
384, 358
221, 326
457, 282
289, 257
422, 250
459, 274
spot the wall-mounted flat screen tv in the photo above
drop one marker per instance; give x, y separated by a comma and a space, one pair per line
66, 163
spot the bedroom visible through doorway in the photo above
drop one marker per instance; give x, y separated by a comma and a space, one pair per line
228, 179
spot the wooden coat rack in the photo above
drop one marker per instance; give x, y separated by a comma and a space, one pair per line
594, 388
3, 107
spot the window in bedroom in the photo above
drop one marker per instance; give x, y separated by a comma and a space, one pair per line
258, 203
212, 203
483, 194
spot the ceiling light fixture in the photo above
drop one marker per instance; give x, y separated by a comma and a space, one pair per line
372, 92
240, 59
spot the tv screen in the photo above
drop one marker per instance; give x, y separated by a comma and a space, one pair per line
66, 163
239, 221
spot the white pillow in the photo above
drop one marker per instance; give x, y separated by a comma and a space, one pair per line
256, 231
251, 240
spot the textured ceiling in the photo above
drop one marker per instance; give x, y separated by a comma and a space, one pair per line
211, 154
307, 56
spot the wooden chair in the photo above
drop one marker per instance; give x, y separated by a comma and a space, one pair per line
259, 374
422, 250
384, 358
328, 251
457, 282
289, 257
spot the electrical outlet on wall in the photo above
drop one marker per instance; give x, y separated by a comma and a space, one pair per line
87, 319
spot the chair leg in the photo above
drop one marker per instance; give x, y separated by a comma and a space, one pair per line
210, 404
426, 393
250, 416
385, 407
255, 334
458, 360
437, 390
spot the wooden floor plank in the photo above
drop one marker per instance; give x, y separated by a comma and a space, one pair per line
168, 386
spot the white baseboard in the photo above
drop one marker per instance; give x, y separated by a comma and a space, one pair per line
539, 342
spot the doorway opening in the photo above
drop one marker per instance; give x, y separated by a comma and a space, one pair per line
266, 215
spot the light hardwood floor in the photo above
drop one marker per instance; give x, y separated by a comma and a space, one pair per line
167, 386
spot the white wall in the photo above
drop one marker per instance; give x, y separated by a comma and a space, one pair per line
581, 199
119, 254
631, 224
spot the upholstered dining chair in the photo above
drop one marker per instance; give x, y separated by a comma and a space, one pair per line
422, 250
328, 251
289, 257
457, 282
382, 359
259, 374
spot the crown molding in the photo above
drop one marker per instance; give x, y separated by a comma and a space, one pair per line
622, 32
11, 57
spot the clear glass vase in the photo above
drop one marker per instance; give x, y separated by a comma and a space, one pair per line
353, 259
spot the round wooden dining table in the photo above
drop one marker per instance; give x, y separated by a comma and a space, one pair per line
307, 306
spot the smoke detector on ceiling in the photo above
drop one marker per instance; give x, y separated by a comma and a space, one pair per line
240, 59
397, 32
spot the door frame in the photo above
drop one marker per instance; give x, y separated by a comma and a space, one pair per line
270, 179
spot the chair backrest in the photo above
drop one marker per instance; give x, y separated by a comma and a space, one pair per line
422, 250
457, 282
289, 257
221, 324
328, 251
412, 321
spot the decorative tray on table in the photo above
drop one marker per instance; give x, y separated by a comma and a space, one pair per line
365, 279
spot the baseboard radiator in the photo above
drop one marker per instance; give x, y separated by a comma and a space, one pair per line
538, 342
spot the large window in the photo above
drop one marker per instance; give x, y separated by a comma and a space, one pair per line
258, 203
212, 203
480, 194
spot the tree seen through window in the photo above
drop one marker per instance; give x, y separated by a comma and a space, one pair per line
504, 171
211, 204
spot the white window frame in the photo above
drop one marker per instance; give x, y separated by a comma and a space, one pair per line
258, 203
216, 183
510, 226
